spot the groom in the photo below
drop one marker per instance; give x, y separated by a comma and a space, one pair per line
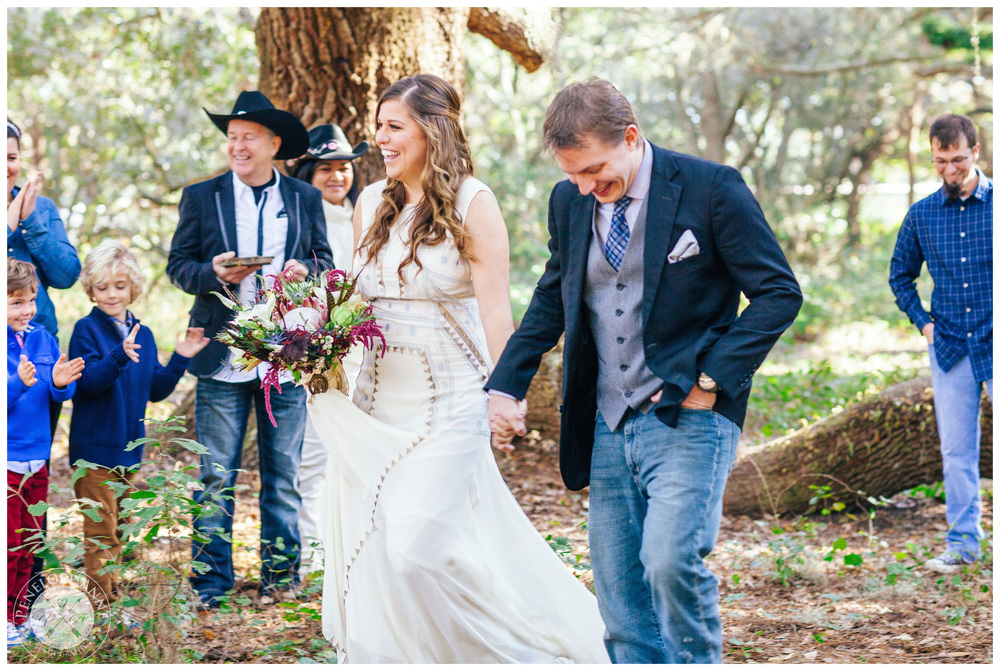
650, 250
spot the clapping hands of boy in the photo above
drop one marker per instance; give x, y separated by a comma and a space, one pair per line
66, 372
130, 346
26, 371
192, 343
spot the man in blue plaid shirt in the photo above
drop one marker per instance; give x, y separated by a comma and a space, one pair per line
952, 231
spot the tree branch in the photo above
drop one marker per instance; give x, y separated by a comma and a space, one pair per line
527, 34
792, 70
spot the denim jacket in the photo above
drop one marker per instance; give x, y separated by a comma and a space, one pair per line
41, 239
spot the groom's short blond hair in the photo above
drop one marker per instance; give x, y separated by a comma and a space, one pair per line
594, 108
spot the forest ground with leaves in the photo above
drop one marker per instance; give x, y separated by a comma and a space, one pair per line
843, 587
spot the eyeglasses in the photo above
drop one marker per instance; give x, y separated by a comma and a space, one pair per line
958, 161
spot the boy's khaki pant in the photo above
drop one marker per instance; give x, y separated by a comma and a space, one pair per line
104, 585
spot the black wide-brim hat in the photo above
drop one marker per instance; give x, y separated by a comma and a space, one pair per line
254, 106
327, 142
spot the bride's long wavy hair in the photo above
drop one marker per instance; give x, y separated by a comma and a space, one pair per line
434, 105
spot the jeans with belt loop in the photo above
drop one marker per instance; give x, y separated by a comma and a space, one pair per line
655, 508
221, 413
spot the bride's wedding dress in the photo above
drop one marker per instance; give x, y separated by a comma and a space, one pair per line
429, 557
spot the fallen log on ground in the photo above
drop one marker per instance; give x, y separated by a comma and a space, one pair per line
879, 446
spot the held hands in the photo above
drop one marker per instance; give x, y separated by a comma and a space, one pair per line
233, 274
928, 331
192, 343
65, 372
506, 418
129, 345
299, 271
26, 371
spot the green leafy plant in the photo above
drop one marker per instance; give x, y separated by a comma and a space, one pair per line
157, 607
564, 548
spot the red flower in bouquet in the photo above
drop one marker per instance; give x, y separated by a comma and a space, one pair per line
303, 327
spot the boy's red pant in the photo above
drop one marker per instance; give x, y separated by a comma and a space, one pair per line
19, 497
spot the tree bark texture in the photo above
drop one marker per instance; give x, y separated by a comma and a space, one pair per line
880, 446
527, 33
545, 395
330, 64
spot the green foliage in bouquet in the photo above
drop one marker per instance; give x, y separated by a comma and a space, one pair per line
304, 327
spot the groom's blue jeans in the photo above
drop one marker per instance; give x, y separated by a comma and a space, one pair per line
221, 413
655, 508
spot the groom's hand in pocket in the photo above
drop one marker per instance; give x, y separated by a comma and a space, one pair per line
698, 399
506, 417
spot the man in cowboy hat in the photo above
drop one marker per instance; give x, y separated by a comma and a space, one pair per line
251, 210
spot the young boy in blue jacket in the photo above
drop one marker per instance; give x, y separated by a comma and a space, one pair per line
36, 374
111, 398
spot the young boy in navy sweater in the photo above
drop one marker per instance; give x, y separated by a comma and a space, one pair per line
36, 374
111, 398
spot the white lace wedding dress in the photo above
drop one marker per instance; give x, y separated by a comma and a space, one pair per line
429, 557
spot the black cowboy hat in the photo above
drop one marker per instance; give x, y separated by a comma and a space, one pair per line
254, 106
327, 142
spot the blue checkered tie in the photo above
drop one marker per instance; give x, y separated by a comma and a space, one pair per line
614, 248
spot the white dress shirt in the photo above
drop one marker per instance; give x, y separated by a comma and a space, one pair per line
248, 212
340, 232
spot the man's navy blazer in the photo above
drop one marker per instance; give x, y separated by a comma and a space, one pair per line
207, 228
689, 308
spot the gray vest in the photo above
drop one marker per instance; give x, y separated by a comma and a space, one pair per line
614, 311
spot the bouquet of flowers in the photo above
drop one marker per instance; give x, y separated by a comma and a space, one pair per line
305, 327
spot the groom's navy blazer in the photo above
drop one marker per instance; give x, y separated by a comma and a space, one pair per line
207, 228
689, 308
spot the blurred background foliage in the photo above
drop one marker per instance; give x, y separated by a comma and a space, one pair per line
824, 111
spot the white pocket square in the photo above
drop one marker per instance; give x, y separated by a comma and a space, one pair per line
686, 247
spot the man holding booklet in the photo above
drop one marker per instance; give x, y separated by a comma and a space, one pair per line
235, 232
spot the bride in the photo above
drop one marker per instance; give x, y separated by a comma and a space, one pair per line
429, 557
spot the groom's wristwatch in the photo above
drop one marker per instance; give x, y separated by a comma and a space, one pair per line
705, 383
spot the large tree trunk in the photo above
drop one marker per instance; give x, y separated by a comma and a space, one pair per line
880, 447
330, 64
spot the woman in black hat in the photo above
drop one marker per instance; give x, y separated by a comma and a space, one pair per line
327, 166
